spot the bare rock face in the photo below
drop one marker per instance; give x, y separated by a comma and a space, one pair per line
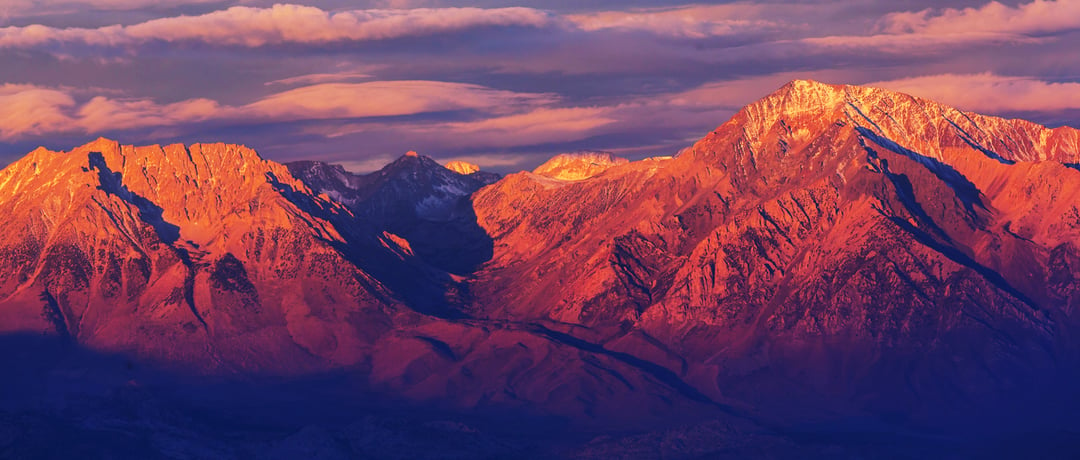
830, 253
579, 165
416, 199
206, 260
205, 255
462, 167
891, 254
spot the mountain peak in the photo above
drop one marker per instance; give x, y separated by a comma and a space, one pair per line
101, 142
410, 161
804, 110
801, 84
462, 167
195, 188
579, 165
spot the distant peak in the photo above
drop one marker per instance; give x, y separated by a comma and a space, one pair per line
412, 159
314, 166
592, 156
462, 167
103, 140
812, 100
579, 165
100, 144
805, 84
811, 95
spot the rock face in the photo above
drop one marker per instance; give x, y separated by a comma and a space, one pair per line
207, 260
463, 168
831, 256
578, 165
206, 255
830, 248
416, 199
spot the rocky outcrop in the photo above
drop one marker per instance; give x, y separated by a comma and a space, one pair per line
462, 167
578, 165
831, 253
207, 260
859, 240
205, 255
417, 199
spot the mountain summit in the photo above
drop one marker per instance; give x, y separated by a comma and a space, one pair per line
417, 199
856, 239
578, 165
831, 256
172, 251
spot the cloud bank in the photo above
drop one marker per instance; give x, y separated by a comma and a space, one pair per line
513, 82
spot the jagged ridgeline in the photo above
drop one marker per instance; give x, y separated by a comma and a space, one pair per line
830, 252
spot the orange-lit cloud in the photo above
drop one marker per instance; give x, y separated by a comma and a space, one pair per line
1039, 16
280, 24
683, 22
317, 78
989, 93
369, 78
15, 8
31, 110
542, 125
101, 113
909, 44
385, 98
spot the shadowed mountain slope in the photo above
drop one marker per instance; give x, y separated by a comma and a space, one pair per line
416, 199
830, 249
832, 261
208, 260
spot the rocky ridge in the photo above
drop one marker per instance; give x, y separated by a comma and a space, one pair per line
831, 254
823, 224
578, 165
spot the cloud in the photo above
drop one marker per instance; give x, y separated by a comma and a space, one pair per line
16, 8
536, 125
27, 110
990, 93
316, 78
103, 114
280, 24
526, 81
386, 98
1037, 17
31, 110
656, 124
902, 45
542, 125
679, 22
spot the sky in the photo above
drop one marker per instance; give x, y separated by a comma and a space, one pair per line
502, 84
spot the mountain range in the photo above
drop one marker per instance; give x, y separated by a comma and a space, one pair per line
834, 262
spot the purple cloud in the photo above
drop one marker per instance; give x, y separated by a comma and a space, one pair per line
330, 79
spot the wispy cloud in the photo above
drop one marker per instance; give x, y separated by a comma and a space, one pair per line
31, 110
990, 93
316, 78
27, 110
681, 22
353, 80
387, 98
280, 24
1037, 17
15, 8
